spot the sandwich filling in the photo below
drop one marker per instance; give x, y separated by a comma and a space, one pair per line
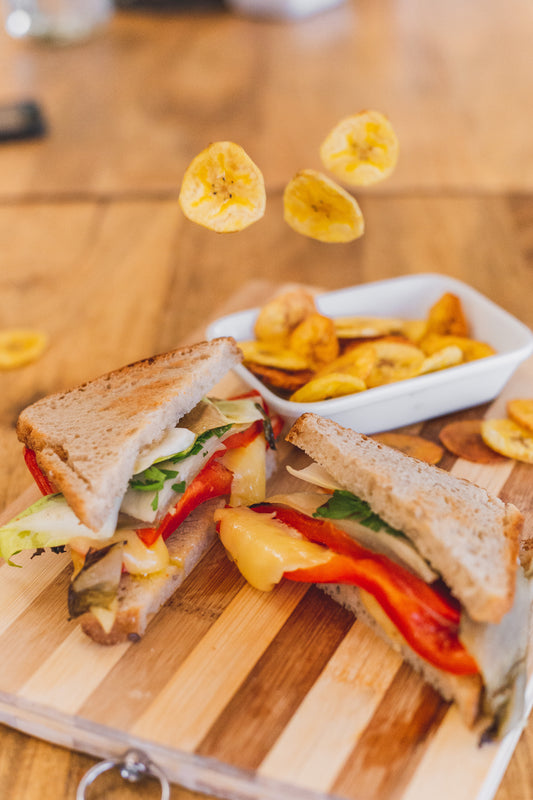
331, 536
218, 449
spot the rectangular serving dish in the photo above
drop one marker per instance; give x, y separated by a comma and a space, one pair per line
414, 399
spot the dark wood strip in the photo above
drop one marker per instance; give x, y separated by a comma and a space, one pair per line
394, 742
250, 724
147, 666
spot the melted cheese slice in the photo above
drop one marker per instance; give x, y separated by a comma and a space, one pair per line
248, 465
263, 548
137, 558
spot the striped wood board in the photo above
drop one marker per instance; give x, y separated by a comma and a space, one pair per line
242, 694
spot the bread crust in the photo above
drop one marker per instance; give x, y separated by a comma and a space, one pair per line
86, 440
469, 536
465, 691
141, 598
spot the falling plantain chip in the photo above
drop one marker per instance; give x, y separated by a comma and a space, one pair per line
463, 439
317, 207
326, 387
508, 438
521, 411
20, 346
223, 189
412, 445
361, 149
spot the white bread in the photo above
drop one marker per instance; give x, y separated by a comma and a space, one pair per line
86, 440
464, 690
141, 598
468, 535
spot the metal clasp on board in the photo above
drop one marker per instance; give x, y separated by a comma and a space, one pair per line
134, 766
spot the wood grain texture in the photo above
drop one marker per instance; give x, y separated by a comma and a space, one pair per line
94, 250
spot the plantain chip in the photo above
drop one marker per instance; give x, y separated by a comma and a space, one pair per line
521, 412
361, 149
281, 380
223, 189
336, 384
508, 438
471, 348
463, 439
21, 346
367, 327
278, 318
272, 356
412, 445
358, 361
317, 207
446, 317
315, 340
395, 361
449, 356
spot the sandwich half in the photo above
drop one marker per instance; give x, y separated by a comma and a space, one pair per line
132, 466
427, 560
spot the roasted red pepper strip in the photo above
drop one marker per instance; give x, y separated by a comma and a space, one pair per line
213, 481
427, 619
45, 486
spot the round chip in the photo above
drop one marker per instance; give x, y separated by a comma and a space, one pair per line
463, 439
521, 411
223, 189
471, 348
278, 318
361, 149
367, 327
271, 356
508, 438
315, 340
412, 445
395, 361
317, 207
442, 359
20, 346
328, 386
358, 361
446, 316
280, 380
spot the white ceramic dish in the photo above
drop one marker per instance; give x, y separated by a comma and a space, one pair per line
415, 399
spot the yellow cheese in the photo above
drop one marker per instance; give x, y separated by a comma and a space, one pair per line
138, 558
249, 472
263, 548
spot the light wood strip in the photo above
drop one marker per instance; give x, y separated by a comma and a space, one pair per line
20, 587
185, 710
456, 779
72, 672
264, 704
344, 700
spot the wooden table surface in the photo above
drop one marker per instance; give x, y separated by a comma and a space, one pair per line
95, 251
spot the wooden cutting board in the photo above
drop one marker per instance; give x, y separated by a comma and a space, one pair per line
238, 693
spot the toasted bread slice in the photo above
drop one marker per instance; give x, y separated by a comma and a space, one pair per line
464, 690
468, 536
140, 599
86, 440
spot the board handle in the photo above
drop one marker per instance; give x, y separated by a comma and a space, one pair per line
134, 766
